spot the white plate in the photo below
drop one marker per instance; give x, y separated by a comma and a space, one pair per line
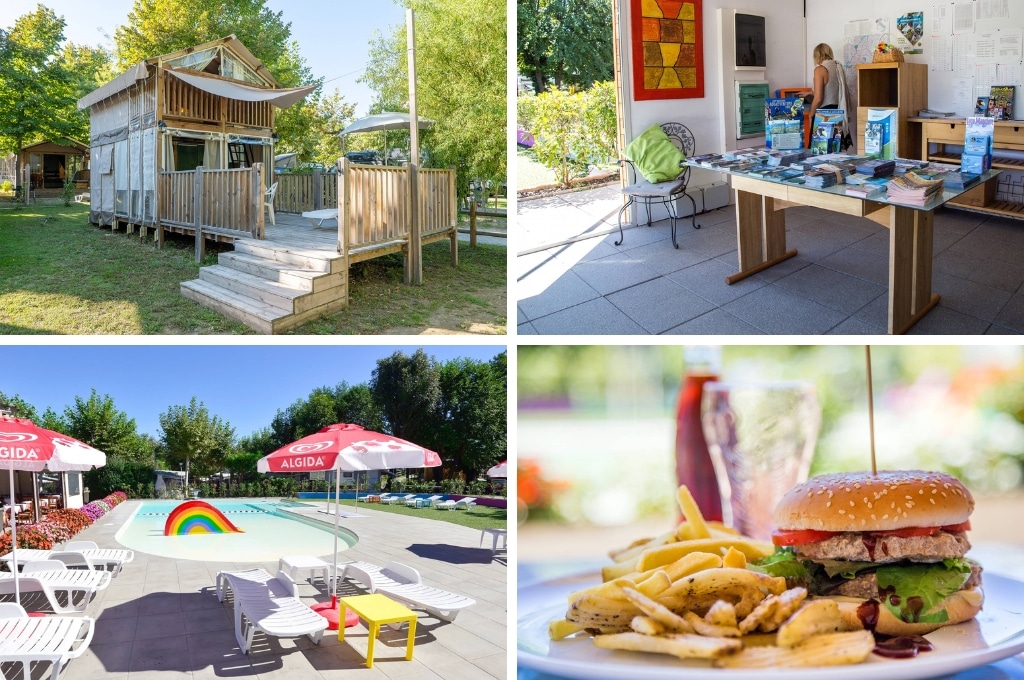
997, 633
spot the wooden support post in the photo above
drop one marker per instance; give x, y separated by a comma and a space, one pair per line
259, 224
453, 205
414, 256
472, 224
197, 216
318, 189
343, 211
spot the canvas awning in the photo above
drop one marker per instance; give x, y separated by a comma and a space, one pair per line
138, 72
246, 93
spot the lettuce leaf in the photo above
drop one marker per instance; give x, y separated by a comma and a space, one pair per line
845, 568
930, 582
782, 562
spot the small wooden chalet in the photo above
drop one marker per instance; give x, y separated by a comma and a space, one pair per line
51, 163
209, 106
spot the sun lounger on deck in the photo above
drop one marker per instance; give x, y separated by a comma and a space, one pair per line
54, 579
30, 641
403, 583
268, 604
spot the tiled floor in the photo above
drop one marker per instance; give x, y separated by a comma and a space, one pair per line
837, 284
161, 619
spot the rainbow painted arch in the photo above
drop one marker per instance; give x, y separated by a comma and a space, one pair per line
198, 517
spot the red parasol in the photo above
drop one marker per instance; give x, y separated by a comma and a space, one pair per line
26, 446
349, 448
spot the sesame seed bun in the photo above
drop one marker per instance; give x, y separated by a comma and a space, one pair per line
860, 501
961, 606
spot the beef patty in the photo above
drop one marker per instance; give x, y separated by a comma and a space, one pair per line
852, 546
865, 586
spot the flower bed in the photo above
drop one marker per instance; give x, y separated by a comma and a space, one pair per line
61, 525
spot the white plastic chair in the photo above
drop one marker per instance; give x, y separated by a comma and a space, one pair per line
403, 583
32, 641
268, 201
268, 604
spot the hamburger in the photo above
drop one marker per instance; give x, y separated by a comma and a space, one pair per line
889, 547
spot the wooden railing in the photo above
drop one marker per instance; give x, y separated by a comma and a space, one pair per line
301, 192
377, 213
213, 202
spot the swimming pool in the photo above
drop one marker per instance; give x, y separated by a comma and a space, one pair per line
268, 533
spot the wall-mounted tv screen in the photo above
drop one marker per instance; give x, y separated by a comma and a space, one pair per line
750, 41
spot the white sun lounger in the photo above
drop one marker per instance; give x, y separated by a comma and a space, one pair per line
112, 559
268, 604
403, 583
51, 578
465, 503
318, 217
32, 641
399, 498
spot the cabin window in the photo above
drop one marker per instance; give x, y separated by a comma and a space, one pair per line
188, 153
241, 156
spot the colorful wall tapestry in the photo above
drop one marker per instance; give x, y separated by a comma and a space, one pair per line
668, 49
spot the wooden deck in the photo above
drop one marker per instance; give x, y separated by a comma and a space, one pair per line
296, 230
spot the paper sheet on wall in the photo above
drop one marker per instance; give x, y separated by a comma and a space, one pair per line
861, 27
909, 35
1008, 74
941, 20
942, 53
991, 14
963, 55
985, 76
985, 47
1008, 47
963, 17
963, 96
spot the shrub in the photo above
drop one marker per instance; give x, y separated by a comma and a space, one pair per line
572, 129
7, 186
68, 194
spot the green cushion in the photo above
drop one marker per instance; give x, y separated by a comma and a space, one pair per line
654, 155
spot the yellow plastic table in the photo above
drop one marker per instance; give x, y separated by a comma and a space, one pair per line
377, 610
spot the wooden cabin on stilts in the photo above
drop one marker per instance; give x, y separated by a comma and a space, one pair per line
184, 143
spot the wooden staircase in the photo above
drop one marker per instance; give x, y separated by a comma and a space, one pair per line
271, 287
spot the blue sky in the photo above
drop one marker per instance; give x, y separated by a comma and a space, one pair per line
333, 36
243, 385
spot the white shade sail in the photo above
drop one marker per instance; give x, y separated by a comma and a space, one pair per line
246, 93
385, 121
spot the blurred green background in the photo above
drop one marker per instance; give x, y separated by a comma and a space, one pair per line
596, 424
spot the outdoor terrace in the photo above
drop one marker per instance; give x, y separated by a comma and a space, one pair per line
161, 619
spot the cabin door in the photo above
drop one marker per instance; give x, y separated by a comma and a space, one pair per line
53, 171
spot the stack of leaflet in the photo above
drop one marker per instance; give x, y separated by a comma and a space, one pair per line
913, 188
877, 167
872, 186
822, 177
957, 180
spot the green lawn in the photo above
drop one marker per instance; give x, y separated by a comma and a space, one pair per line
62, 275
479, 517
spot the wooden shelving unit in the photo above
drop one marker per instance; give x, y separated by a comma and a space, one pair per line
895, 85
1009, 136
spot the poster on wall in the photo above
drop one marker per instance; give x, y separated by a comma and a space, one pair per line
910, 33
668, 49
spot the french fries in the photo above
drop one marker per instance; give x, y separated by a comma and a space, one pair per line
688, 593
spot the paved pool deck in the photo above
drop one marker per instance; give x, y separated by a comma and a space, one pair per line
160, 619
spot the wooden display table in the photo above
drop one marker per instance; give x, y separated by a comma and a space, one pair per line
377, 610
761, 236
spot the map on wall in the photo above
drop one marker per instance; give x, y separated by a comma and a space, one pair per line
668, 46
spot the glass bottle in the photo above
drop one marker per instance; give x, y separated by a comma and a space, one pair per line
693, 461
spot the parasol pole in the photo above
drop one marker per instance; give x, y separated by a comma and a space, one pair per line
14, 538
337, 511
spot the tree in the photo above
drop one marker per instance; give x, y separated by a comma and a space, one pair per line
38, 94
97, 422
20, 407
460, 83
567, 42
157, 27
472, 414
407, 389
355, 404
327, 116
195, 439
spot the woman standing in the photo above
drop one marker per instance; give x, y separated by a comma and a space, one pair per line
829, 84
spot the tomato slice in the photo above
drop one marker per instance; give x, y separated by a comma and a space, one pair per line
786, 537
799, 536
954, 528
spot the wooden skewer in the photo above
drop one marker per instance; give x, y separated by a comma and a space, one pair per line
871, 411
